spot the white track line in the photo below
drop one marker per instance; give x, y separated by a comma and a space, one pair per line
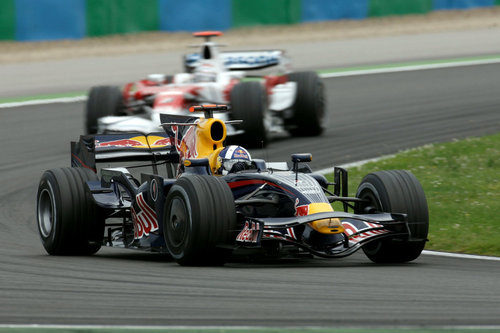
44, 101
402, 68
407, 68
459, 255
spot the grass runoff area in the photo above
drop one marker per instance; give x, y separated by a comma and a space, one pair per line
461, 180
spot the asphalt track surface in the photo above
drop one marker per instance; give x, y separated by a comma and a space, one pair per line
371, 115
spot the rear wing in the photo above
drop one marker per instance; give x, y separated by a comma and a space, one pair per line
244, 60
128, 147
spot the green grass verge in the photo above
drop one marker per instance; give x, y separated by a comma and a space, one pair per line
410, 63
40, 97
461, 180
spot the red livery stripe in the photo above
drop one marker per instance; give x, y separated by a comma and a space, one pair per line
240, 183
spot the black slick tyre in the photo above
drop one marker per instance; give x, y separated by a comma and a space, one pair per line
102, 101
308, 117
199, 221
69, 222
395, 191
249, 103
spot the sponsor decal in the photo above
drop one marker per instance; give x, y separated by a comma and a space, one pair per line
158, 141
274, 235
286, 234
363, 231
135, 142
120, 143
162, 142
251, 233
145, 219
187, 145
290, 233
301, 210
252, 60
240, 153
153, 189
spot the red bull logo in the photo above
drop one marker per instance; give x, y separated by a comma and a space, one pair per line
119, 143
162, 142
240, 153
145, 219
301, 210
187, 145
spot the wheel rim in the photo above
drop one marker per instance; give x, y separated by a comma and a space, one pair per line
46, 212
178, 221
368, 192
373, 204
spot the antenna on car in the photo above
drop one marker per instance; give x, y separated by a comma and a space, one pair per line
265, 150
296, 159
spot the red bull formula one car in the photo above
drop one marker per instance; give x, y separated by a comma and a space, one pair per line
268, 104
201, 202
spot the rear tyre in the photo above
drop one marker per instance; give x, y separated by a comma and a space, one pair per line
69, 222
309, 108
395, 191
199, 221
102, 101
249, 103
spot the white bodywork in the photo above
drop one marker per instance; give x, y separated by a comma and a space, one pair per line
211, 79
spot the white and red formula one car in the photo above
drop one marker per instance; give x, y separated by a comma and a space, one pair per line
267, 104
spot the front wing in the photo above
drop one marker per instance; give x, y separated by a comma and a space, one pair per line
359, 230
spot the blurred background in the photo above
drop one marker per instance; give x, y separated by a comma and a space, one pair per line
53, 51
55, 46
36, 20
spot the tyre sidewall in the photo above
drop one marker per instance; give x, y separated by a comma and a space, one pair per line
78, 224
49, 183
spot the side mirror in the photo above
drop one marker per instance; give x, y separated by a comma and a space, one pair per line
200, 166
298, 158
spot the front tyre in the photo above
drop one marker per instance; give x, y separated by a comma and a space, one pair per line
395, 191
69, 222
199, 220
